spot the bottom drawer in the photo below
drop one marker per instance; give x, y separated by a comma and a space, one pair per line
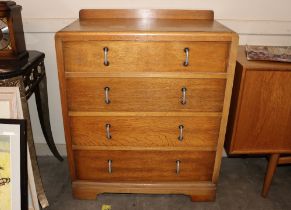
144, 165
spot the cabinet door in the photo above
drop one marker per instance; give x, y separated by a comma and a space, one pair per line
264, 115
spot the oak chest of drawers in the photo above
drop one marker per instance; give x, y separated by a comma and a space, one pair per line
145, 98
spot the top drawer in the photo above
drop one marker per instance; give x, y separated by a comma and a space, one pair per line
131, 56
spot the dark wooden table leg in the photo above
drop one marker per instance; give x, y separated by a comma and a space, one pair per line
272, 165
41, 98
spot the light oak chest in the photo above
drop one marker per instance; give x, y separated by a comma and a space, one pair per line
145, 99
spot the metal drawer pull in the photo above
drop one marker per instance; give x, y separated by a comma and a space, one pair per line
180, 138
178, 166
106, 62
110, 166
108, 135
186, 63
107, 100
183, 100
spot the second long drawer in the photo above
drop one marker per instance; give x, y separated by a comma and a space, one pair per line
193, 131
145, 94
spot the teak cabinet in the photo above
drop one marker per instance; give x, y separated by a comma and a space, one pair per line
260, 114
145, 98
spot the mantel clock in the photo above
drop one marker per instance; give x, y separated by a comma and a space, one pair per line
12, 42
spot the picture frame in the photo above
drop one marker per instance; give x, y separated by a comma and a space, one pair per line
11, 108
13, 163
10, 103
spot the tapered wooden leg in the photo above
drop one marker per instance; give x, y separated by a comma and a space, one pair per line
272, 165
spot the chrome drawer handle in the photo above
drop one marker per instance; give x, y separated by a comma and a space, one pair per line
106, 62
180, 138
107, 127
110, 166
186, 62
183, 100
178, 162
107, 100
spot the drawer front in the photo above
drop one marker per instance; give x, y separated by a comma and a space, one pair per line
145, 131
130, 56
145, 94
144, 165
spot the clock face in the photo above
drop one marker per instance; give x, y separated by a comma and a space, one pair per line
4, 35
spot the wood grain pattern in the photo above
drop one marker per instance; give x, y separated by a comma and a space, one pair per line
166, 27
87, 14
145, 94
62, 85
260, 109
89, 32
264, 122
145, 131
201, 191
134, 56
144, 165
226, 105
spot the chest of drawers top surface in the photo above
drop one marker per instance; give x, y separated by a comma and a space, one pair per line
149, 21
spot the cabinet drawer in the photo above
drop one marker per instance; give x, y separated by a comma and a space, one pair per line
145, 131
145, 94
144, 165
131, 56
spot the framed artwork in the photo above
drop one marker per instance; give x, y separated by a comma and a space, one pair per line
11, 108
13, 165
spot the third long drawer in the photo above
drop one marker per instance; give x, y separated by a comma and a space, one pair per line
146, 131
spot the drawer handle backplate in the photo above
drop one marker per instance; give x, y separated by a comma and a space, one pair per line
186, 62
106, 62
107, 127
107, 100
180, 138
110, 166
178, 162
183, 100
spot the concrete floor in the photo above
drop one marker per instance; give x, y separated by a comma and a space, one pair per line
238, 189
